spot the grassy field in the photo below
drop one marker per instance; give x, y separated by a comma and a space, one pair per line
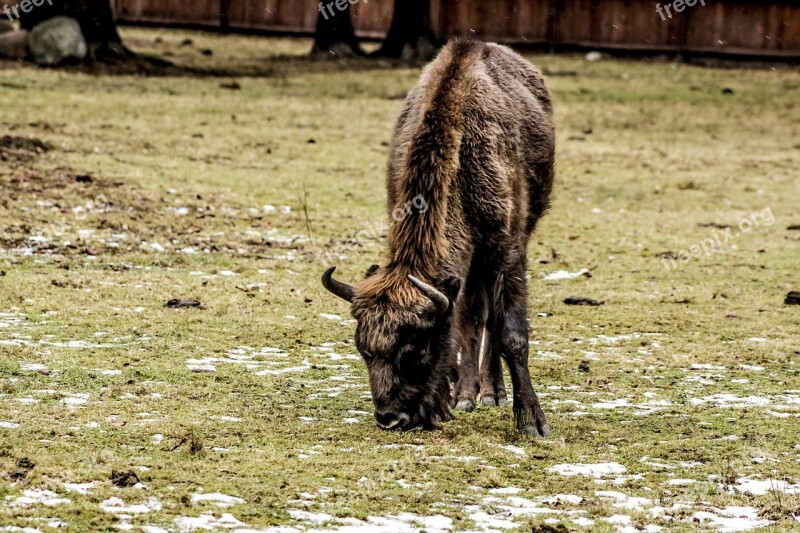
674, 405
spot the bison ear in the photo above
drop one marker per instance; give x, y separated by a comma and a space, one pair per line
451, 287
371, 270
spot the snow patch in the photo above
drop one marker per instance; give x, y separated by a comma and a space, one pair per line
117, 506
731, 518
32, 497
583, 469
208, 521
760, 487
563, 274
217, 498
80, 488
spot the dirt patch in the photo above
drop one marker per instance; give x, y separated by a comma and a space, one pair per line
184, 303
21, 149
124, 479
581, 300
72, 213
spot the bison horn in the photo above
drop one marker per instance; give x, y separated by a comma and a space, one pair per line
441, 303
342, 290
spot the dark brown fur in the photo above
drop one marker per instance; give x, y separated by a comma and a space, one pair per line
476, 141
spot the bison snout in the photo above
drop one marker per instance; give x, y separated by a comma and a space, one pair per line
390, 420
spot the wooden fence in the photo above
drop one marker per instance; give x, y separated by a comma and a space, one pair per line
767, 29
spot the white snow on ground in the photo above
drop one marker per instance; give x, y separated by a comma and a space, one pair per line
80, 488
781, 401
505, 490
623, 501
269, 361
732, 518
560, 499
117, 506
515, 449
563, 274
31, 497
497, 511
502, 512
208, 521
753, 368
225, 418
28, 401
15, 323
645, 408
760, 487
593, 470
619, 519
250, 358
705, 366
400, 523
32, 367
614, 339
75, 399
285, 370
308, 516
153, 529
79, 344
8, 425
216, 498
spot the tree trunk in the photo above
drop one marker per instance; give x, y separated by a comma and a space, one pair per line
411, 35
335, 34
96, 19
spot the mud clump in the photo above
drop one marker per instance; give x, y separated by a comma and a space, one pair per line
21, 149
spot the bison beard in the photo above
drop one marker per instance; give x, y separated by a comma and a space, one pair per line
476, 140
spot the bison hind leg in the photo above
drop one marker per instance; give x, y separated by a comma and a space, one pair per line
471, 322
493, 386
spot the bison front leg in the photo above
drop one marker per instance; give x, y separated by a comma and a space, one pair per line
509, 321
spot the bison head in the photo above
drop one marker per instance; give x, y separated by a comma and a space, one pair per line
403, 334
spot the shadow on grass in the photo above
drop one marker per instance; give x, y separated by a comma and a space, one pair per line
278, 66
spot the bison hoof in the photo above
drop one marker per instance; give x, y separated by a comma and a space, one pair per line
465, 405
531, 425
492, 401
533, 431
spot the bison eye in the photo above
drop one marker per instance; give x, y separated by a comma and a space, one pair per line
406, 351
410, 355
366, 355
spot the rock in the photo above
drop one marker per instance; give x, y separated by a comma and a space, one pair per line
14, 44
793, 298
594, 56
56, 40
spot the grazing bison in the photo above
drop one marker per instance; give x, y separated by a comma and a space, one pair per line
475, 141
